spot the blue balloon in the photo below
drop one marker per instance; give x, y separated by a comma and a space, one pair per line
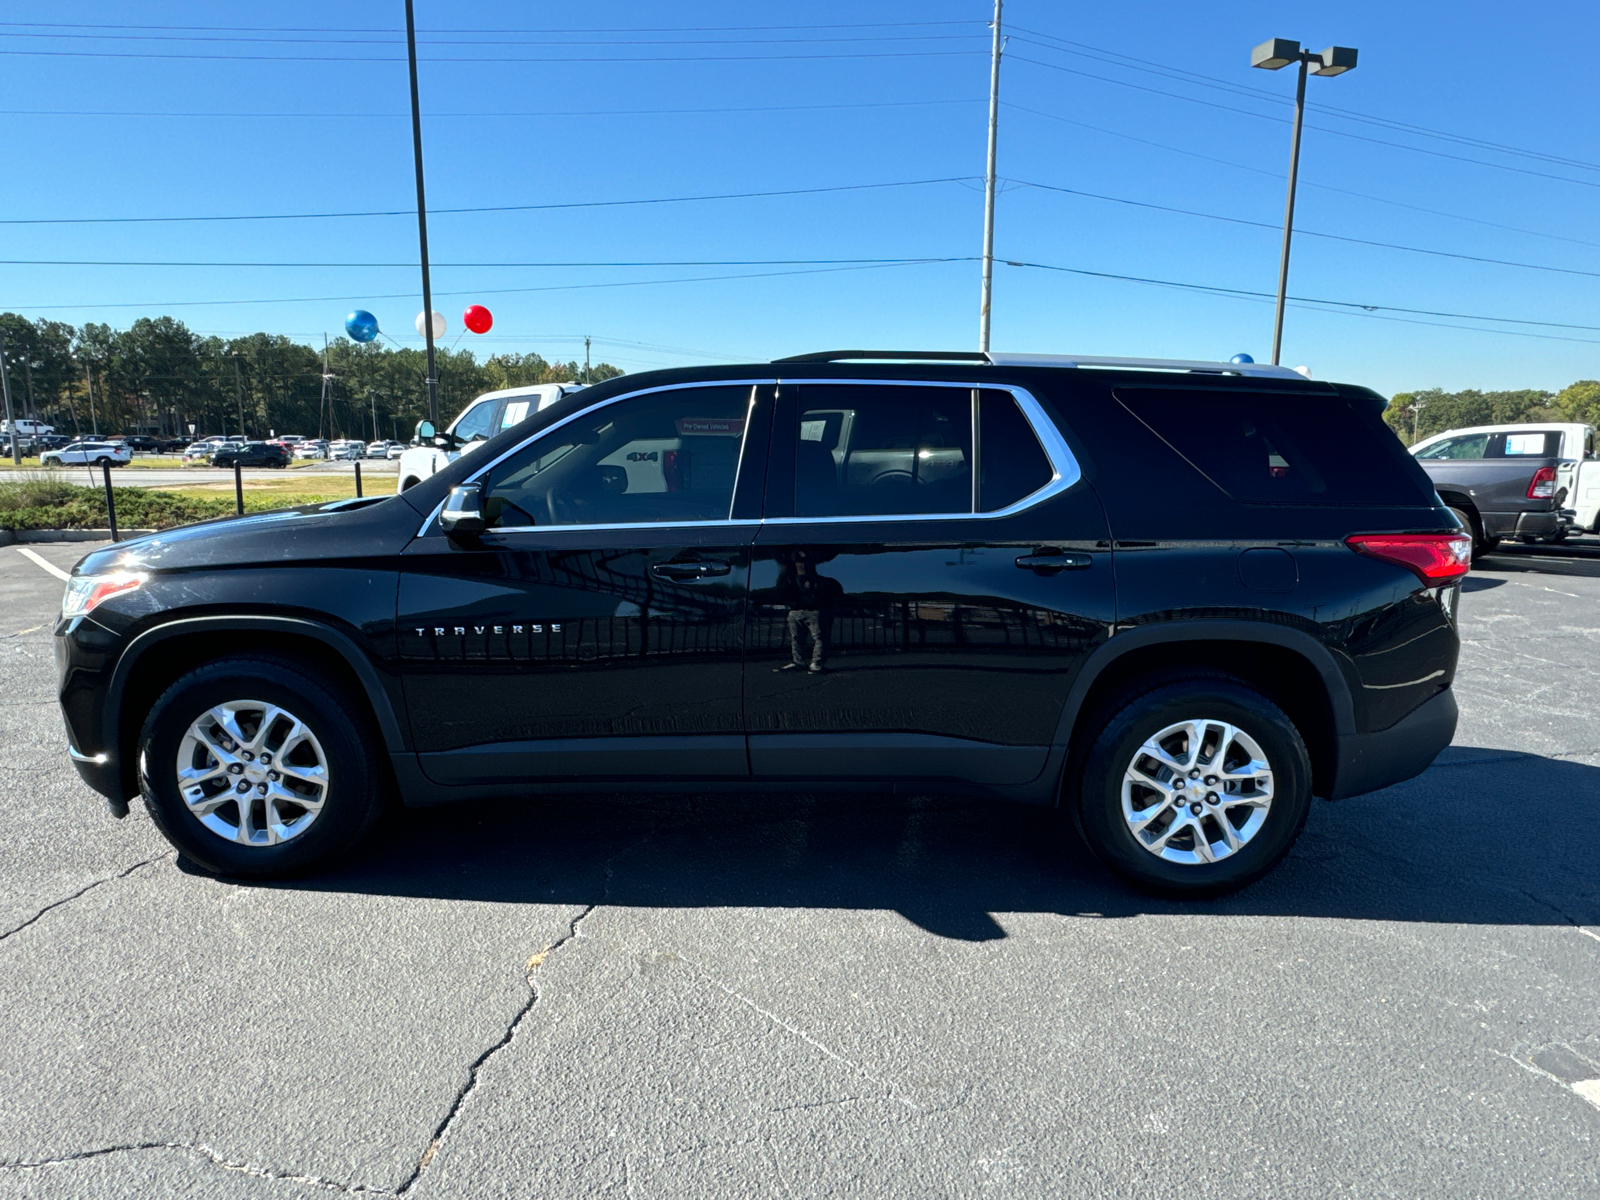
361, 325
1241, 358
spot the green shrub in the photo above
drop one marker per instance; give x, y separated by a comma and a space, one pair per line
53, 504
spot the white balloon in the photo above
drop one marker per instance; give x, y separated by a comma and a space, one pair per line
438, 325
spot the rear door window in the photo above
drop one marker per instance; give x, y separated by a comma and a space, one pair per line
883, 450
1467, 445
1280, 448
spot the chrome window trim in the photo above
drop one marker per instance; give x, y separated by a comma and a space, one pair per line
583, 412
1063, 463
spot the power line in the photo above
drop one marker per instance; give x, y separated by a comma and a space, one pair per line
1327, 187
408, 212
689, 262
1116, 59
1344, 133
546, 60
1348, 308
369, 296
498, 41
1336, 237
479, 116
647, 29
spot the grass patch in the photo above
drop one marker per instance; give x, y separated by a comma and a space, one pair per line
52, 503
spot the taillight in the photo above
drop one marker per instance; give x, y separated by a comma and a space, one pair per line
1435, 557
1543, 484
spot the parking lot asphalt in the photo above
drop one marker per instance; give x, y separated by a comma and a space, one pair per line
825, 995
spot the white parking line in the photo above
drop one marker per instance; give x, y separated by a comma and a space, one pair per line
45, 563
1589, 1089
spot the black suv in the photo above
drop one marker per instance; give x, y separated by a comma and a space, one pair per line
250, 454
1175, 599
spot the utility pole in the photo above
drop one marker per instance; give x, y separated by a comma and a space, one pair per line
372, 398
5, 387
27, 366
327, 387
238, 390
88, 382
422, 218
988, 187
586, 358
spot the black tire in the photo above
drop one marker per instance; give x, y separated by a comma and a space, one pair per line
1470, 522
1131, 718
354, 791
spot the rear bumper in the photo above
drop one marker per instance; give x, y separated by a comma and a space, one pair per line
1369, 761
1523, 524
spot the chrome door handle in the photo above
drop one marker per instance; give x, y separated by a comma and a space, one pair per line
1053, 564
678, 572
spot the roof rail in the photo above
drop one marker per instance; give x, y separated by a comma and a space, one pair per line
826, 356
1197, 366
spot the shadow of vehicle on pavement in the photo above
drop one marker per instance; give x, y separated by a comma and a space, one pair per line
1571, 557
1483, 837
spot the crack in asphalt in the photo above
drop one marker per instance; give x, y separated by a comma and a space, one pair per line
1559, 911
475, 1070
87, 888
205, 1151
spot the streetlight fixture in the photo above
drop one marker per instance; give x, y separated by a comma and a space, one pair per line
1271, 56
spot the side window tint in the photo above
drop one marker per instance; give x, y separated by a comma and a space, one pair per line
1276, 448
663, 458
1540, 444
1011, 463
864, 450
476, 421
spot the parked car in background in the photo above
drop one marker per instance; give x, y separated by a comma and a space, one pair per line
396, 449
1535, 482
174, 445
141, 443
200, 452
488, 415
380, 448
93, 453
346, 448
290, 440
51, 441
250, 454
314, 448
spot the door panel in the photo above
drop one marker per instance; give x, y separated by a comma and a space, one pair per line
912, 646
596, 629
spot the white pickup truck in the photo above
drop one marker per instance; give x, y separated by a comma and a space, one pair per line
488, 415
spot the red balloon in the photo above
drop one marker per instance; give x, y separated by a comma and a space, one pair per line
478, 319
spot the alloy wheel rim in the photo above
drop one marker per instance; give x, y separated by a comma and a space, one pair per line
1197, 792
252, 773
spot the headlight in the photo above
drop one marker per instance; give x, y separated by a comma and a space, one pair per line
86, 592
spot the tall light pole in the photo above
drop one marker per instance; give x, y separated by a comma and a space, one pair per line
1272, 55
422, 218
988, 186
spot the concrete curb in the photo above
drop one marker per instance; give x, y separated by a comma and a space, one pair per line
11, 536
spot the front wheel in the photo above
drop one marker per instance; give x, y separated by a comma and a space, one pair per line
1196, 787
257, 766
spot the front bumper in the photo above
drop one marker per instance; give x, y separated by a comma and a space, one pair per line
1369, 761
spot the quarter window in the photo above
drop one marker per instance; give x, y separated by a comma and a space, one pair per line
662, 458
1011, 463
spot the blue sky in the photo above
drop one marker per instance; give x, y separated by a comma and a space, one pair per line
822, 95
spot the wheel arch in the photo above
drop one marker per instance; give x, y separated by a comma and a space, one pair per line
1288, 666
140, 676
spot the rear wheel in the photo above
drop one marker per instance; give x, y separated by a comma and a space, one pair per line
1481, 544
1194, 786
254, 766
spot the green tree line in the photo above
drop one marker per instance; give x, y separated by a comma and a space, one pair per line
160, 377
1416, 415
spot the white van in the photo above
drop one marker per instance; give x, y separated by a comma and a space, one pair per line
26, 427
488, 415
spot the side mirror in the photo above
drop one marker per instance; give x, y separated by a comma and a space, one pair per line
463, 512
425, 430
